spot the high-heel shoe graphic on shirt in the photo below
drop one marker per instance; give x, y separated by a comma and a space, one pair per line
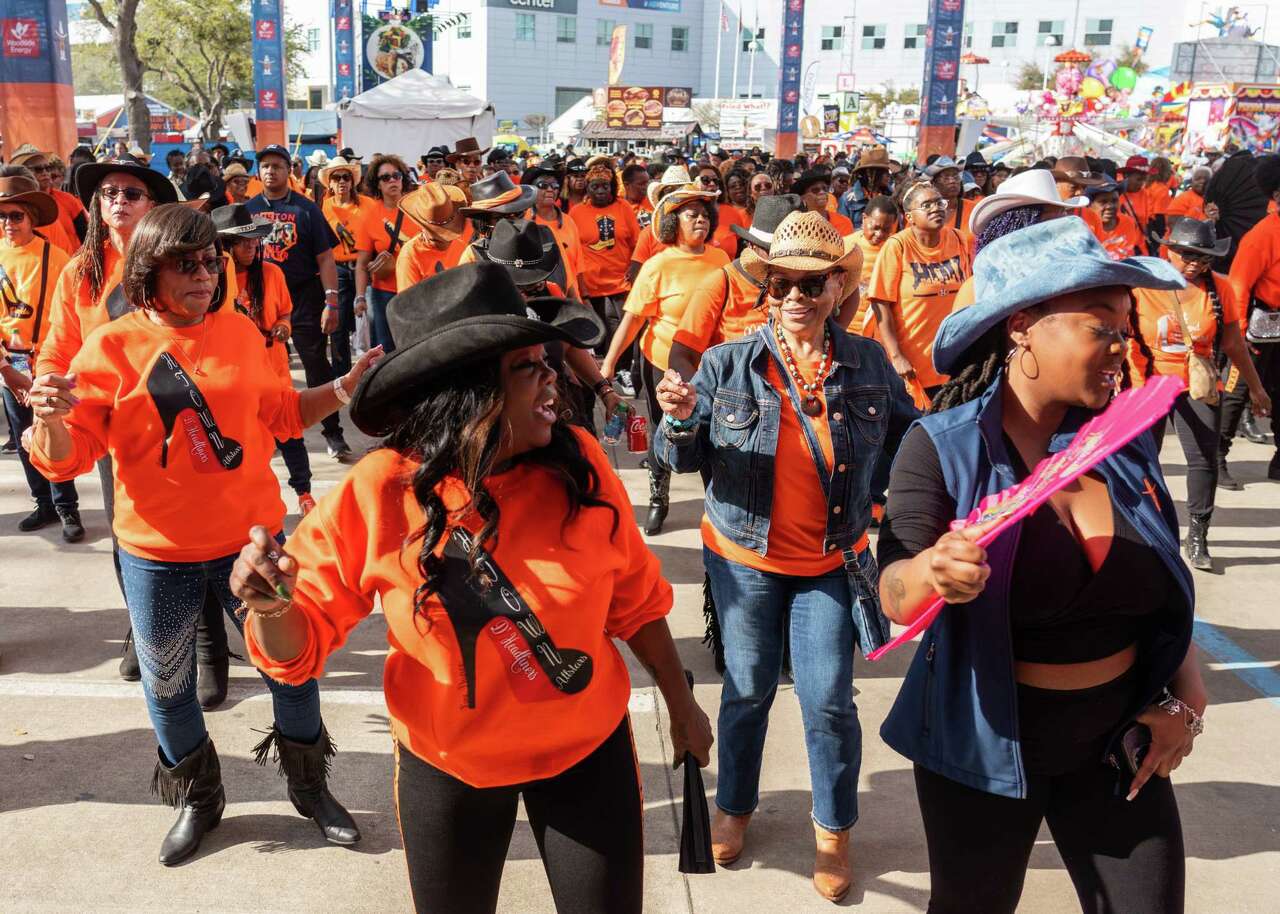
536, 668
181, 405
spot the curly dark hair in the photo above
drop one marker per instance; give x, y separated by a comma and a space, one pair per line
164, 234
669, 223
370, 186
456, 431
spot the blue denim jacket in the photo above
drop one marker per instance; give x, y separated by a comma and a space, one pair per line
735, 434
957, 711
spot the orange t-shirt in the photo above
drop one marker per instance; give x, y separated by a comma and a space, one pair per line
647, 246
1255, 272
1162, 334
662, 292
418, 259
1138, 207
643, 210
843, 224
725, 238
566, 235
69, 207
798, 519
1158, 198
23, 295
76, 314
373, 236
1124, 240
254, 187
1188, 203
870, 253
190, 417
921, 284
277, 305
721, 308
344, 219
585, 583
607, 235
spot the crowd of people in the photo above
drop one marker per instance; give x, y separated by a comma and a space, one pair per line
850, 352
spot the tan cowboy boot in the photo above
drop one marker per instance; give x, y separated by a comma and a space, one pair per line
832, 874
728, 834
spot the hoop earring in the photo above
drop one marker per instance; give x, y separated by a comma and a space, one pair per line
1026, 351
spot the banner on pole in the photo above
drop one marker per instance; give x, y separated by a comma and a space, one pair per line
617, 53
268, 72
789, 83
344, 51
943, 32
38, 104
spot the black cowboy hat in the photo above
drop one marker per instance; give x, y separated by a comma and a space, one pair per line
1187, 234
534, 172
809, 178
975, 161
526, 249
577, 166
497, 194
90, 175
440, 152
770, 211
470, 313
235, 221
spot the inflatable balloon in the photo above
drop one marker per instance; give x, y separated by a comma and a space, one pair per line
1124, 78
1092, 88
1068, 80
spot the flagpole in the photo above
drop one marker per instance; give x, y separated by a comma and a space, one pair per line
720, 24
737, 57
751, 68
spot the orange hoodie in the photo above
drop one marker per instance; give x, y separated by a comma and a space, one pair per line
189, 416
516, 717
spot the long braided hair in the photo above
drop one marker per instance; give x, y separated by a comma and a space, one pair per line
456, 431
977, 369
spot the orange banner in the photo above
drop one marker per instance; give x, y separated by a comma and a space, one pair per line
617, 53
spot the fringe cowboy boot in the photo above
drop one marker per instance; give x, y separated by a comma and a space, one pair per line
194, 788
659, 500
306, 769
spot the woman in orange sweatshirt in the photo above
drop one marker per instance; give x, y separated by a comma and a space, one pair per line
182, 397
504, 553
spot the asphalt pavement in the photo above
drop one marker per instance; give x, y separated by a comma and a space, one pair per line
79, 831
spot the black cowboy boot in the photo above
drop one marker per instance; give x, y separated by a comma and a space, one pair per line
1249, 429
213, 659
1197, 545
129, 669
306, 768
194, 788
659, 500
1225, 479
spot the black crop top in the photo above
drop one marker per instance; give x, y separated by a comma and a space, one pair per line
1060, 610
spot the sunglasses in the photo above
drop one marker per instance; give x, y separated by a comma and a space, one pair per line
341, 176
39, 169
470, 160
809, 286
546, 185
1188, 256
390, 176
707, 179
131, 194
188, 266
435, 160
15, 216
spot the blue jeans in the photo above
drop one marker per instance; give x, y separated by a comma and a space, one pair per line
46, 493
164, 599
754, 606
379, 330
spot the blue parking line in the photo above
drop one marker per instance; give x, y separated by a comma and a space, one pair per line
1251, 670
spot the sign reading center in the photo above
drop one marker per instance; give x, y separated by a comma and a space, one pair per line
536, 6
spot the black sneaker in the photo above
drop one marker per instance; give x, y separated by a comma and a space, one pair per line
1273, 468
9, 447
42, 516
72, 529
337, 446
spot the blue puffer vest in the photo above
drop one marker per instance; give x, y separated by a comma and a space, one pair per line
957, 712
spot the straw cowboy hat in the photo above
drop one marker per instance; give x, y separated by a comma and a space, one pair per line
25, 153
808, 243
674, 176
234, 170
463, 315
679, 197
26, 192
336, 164
438, 209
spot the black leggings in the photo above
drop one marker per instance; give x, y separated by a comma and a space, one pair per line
1197, 425
587, 822
1123, 857
1266, 358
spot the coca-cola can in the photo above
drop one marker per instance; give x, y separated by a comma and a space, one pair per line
637, 434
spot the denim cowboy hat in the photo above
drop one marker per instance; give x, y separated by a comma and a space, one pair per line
1036, 264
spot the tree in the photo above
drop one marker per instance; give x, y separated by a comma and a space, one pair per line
707, 115
535, 121
94, 69
1030, 76
1131, 57
122, 25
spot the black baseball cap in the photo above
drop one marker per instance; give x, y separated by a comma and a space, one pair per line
275, 149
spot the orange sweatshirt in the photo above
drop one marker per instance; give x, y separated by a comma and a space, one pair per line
1255, 273
585, 583
189, 416
277, 305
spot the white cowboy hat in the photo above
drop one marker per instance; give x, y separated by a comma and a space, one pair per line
674, 176
1031, 188
318, 158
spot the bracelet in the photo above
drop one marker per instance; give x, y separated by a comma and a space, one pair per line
341, 392
1174, 706
680, 425
329, 307
243, 610
330, 291
602, 385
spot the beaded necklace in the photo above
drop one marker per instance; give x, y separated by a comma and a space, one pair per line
809, 402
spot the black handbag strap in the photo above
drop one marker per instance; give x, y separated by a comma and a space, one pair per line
44, 284
394, 233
